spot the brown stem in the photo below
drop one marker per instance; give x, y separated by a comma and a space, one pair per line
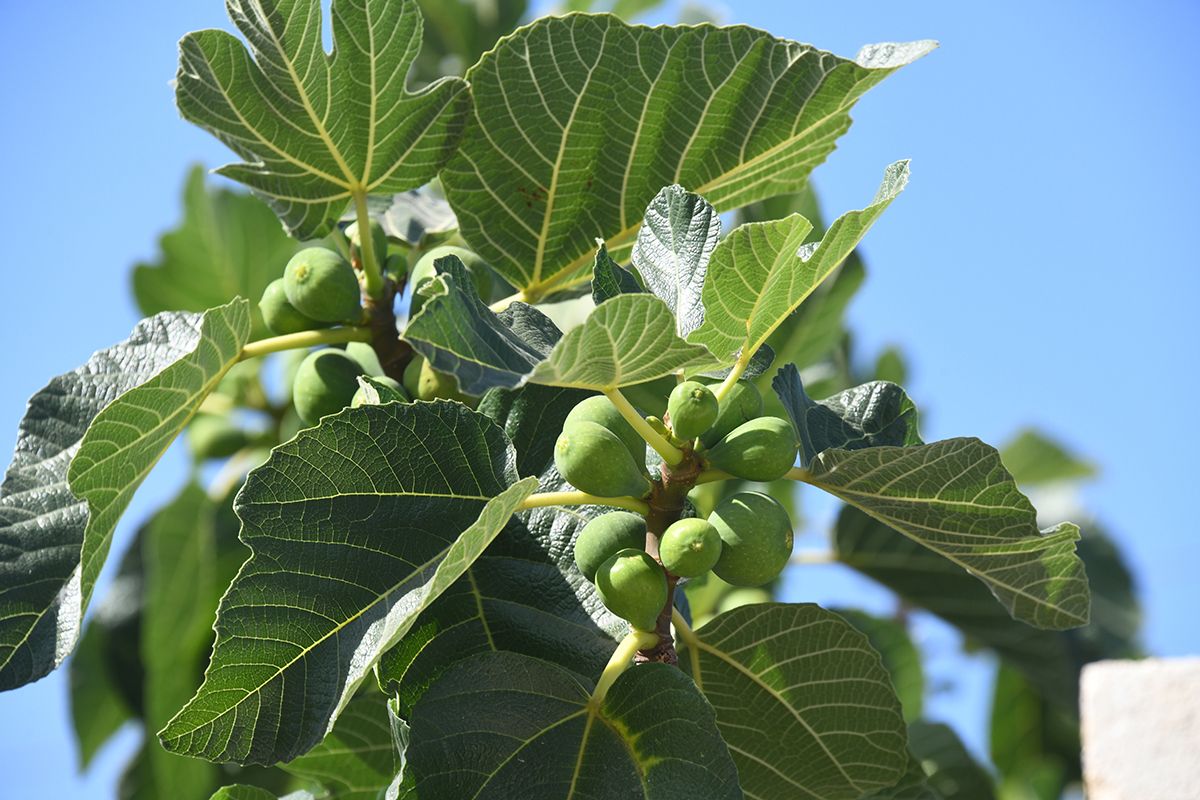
666, 506
394, 353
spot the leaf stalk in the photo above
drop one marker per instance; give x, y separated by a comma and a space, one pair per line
295, 341
372, 275
622, 659
546, 499
671, 454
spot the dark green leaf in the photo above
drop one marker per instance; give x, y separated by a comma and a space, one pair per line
950, 768
900, 657
98, 709
355, 527
501, 726
315, 129
672, 251
912, 786
227, 245
955, 498
554, 158
610, 279
802, 700
1032, 741
357, 759
54, 543
871, 415
1034, 458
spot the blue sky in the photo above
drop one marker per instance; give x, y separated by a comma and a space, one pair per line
1040, 268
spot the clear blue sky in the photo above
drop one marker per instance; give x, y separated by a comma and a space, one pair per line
1040, 268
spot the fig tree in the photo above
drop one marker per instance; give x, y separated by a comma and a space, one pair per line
693, 409
742, 404
606, 534
593, 459
325, 383
322, 285
360, 396
756, 538
600, 410
689, 547
633, 586
280, 315
213, 436
762, 449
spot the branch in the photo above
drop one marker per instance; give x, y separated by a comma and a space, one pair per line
671, 454
295, 341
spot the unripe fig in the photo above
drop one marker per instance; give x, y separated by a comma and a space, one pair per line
634, 587
412, 376
600, 410
689, 547
756, 538
280, 315
322, 285
605, 535
325, 383
212, 436
378, 238
397, 394
742, 404
424, 270
693, 409
432, 385
762, 449
593, 459
743, 597
365, 355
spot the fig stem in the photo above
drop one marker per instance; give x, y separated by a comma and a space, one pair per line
798, 474
671, 454
690, 641
622, 659
372, 277
295, 341
544, 499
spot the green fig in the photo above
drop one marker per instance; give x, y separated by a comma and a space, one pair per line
432, 385
593, 459
395, 395
693, 409
634, 587
756, 538
322, 285
412, 376
689, 547
762, 449
423, 271
606, 534
365, 355
212, 436
378, 238
325, 383
600, 410
743, 597
742, 404
280, 315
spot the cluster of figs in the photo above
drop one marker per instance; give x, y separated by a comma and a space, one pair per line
320, 289
745, 541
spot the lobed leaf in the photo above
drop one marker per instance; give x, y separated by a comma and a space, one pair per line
801, 699
356, 526
554, 157
955, 498
315, 129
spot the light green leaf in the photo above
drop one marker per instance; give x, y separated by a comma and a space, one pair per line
316, 129
763, 271
626, 340
358, 759
501, 726
955, 498
227, 245
355, 527
950, 768
1035, 459
802, 700
240, 792
43, 590
900, 656
673, 249
98, 709
555, 157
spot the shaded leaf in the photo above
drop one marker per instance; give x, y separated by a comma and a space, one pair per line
763, 271
802, 700
501, 725
98, 709
355, 527
912, 786
553, 158
357, 759
610, 279
1034, 459
313, 128
48, 569
874, 414
413, 215
955, 498
950, 768
673, 249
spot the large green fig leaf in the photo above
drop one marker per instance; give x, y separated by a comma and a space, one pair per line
901, 658
763, 271
802, 700
556, 156
956, 498
355, 527
227, 245
85, 444
1035, 459
502, 725
357, 759
317, 129
874, 414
